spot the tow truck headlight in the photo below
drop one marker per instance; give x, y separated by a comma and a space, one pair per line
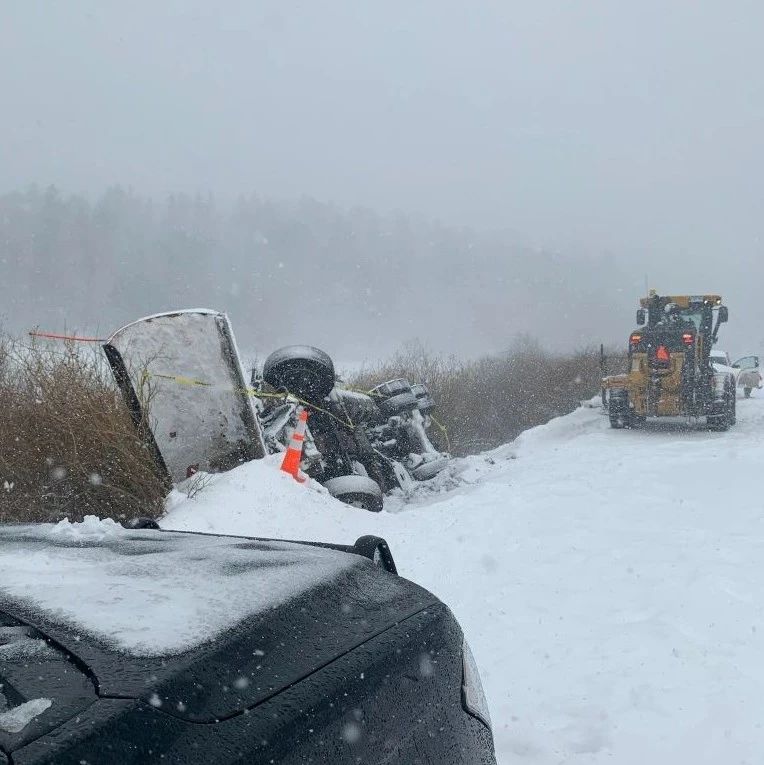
473, 696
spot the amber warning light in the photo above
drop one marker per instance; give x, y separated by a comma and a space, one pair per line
662, 354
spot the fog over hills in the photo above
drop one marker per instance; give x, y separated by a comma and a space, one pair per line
549, 160
353, 281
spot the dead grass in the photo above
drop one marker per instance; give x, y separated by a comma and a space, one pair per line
487, 402
67, 445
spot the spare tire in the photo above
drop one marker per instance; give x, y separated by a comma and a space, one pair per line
303, 370
356, 490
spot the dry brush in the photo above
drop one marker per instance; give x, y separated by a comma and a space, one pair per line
68, 447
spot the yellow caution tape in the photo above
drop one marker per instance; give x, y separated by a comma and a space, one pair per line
190, 381
444, 431
182, 380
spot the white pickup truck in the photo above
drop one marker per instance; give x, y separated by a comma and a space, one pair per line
745, 370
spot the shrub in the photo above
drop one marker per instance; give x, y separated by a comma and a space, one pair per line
68, 447
489, 401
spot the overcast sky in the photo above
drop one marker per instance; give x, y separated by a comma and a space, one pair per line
631, 128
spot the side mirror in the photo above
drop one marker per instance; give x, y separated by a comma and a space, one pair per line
641, 316
724, 314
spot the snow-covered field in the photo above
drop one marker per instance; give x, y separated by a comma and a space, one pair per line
611, 583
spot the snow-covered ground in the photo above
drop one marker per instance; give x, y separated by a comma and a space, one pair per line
611, 583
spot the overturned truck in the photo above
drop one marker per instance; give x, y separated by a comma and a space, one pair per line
181, 376
360, 445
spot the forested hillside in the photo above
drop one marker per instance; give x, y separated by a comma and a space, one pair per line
353, 281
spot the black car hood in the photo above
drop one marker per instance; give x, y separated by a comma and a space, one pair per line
40, 686
229, 671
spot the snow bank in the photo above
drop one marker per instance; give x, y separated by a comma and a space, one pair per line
258, 499
90, 528
613, 596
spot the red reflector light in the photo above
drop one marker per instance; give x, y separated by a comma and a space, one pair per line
662, 354
635, 339
687, 338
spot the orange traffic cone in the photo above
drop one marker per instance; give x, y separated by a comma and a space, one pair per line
293, 456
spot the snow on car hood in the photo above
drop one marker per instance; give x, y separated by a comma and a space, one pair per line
151, 593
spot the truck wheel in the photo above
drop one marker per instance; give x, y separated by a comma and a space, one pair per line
391, 388
403, 402
618, 410
620, 421
357, 491
394, 397
303, 370
430, 469
721, 421
723, 414
425, 401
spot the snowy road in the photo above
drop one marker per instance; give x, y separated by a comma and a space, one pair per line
611, 583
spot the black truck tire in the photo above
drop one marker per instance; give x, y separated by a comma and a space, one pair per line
394, 397
723, 414
424, 399
618, 409
303, 370
403, 402
428, 470
391, 388
719, 423
356, 490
